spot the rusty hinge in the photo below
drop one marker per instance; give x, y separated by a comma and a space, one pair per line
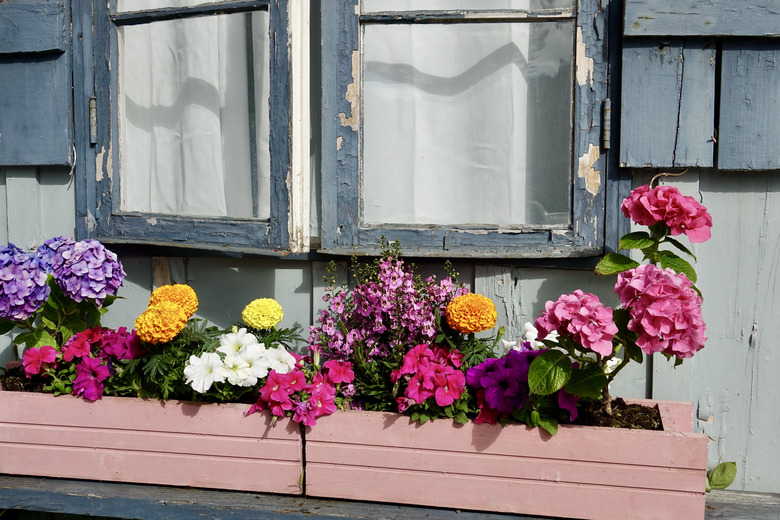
92, 120
606, 124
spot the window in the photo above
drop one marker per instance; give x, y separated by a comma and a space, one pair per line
193, 125
464, 127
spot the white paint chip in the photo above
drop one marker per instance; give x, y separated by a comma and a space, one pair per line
584, 64
586, 171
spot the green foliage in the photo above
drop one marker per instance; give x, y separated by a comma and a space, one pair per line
668, 259
587, 382
549, 372
637, 240
721, 476
614, 263
159, 374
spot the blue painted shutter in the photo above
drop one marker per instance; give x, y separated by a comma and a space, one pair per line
669, 116
35, 84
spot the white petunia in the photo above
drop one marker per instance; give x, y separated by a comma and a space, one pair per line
256, 356
201, 372
232, 342
531, 335
238, 372
281, 360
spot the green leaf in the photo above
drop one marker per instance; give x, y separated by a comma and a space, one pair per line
634, 353
41, 338
587, 382
46, 321
680, 246
722, 476
637, 240
22, 338
614, 263
669, 259
549, 425
6, 326
549, 372
535, 418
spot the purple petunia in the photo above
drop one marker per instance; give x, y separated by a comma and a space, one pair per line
88, 270
23, 287
504, 380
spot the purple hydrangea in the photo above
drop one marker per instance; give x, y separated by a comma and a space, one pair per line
88, 270
50, 253
23, 287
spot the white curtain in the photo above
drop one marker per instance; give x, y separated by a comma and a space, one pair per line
185, 116
451, 114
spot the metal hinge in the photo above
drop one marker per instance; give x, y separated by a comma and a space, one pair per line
606, 124
92, 120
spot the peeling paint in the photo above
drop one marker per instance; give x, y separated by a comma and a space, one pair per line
353, 96
151, 221
339, 142
586, 171
99, 165
584, 63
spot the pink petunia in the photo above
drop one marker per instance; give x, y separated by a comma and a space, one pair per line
36, 360
339, 371
90, 374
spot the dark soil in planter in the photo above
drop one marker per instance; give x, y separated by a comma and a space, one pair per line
624, 415
15, 380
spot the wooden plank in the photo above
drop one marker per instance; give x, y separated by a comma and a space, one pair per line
23, 205
36, 126
668, 104
32, 27
697, 18
750, 105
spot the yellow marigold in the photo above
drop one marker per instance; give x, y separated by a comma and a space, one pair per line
160, 322
471, 313
182, 295
262, 313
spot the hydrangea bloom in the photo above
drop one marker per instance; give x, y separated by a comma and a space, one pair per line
581, 316
50, 252
160, 323
471, 313
682, 214
665, 310
23, 287
263, 313
180, 294
87, 270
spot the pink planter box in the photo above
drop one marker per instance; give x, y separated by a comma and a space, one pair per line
144, 441
582, 472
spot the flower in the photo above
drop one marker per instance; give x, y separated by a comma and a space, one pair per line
339, 371
87, 270
682, 214
35, 360
23, 287
238, 371
263, 313
202, 371
161, 322
182, 295
50, 253
581, 316
471, 313
90, 374
281, 361
233, 342
665, 310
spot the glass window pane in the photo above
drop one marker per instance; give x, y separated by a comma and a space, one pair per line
372, 6
194, 116
467, 124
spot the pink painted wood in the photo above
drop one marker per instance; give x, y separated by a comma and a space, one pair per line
145, 441
582, 472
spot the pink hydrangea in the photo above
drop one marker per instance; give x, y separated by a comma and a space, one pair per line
682, 214
582, 317
665, 310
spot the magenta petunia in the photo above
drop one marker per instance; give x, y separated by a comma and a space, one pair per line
339, 371
90, 375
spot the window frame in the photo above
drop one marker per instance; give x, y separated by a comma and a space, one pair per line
342, 231
98, 180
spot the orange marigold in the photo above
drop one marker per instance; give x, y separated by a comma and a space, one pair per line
471, 313
160, 322
180, 294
